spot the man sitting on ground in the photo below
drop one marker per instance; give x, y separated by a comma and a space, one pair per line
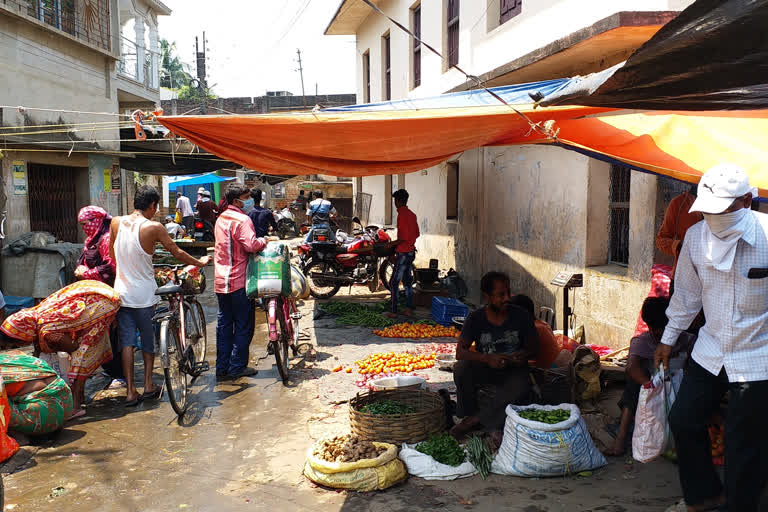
175, 230
640, 364
505, 338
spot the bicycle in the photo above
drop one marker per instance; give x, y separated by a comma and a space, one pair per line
182, 339
283, 322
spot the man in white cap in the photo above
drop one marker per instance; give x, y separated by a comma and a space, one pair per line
723, 268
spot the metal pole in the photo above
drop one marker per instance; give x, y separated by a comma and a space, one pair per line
301, 73
566, 311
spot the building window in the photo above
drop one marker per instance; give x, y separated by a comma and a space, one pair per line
452, 29
452, 192
387, 61
509, 9
58, 13
367, 77
416, 29
618, 243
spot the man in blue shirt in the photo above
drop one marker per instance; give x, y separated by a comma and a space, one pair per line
262, 218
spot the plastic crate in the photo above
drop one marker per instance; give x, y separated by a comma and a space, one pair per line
445, 308
14, 303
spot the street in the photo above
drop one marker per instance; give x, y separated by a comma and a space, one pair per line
242, 446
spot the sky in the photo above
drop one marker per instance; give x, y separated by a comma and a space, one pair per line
253, 45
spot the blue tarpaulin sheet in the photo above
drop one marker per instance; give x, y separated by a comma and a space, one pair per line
197, 180
512, 94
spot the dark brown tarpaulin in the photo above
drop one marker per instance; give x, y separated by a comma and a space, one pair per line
713, 56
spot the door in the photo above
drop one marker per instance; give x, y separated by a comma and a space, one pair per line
52, 203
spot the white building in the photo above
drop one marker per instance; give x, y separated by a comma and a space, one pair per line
528, 210
61, 58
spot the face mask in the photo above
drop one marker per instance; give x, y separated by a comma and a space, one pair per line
247, 205
720, 224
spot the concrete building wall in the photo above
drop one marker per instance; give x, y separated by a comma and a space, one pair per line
483, 43
45, 70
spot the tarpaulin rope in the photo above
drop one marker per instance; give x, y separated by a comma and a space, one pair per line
544, 129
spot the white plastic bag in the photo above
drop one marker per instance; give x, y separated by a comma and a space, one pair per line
534, 449
652, 436
424, 466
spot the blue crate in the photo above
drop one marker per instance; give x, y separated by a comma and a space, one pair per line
445, 308
14, 303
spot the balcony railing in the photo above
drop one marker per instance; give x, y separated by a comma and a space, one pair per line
138, 63
86, 20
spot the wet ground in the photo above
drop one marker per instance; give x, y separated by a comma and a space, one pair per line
242, 446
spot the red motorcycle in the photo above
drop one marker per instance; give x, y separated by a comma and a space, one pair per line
364, 258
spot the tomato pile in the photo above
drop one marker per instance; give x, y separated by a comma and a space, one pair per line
383, 362
437, 348
408, 330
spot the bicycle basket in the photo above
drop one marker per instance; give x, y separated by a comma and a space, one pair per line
193, 285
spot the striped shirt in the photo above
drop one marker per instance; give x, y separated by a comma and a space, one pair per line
735, 336
235, 240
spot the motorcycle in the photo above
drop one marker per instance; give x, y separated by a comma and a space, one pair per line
363, 258
203, 231
286, 222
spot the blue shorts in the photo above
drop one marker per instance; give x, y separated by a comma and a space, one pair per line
129, 320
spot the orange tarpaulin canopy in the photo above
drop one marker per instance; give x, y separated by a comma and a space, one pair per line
360, 143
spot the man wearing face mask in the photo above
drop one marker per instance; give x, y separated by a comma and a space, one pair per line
723, 268
235, 241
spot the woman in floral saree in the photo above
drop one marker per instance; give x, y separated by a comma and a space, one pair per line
40, 400
76, 320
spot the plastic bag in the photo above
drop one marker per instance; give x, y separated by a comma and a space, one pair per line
534, 449
652, 436
299, 285
8, 445
177, 218
269, 272
424, 466
364, 475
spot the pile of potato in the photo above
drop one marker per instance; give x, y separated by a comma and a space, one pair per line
349, 448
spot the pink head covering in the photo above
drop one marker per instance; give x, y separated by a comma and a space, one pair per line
92, 218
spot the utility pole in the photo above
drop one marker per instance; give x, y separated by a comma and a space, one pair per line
202, 86
301, 73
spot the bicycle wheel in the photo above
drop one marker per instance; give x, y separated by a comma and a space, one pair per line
176, 379
281, 346
197, 337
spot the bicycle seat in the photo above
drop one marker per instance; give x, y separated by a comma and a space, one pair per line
168, 289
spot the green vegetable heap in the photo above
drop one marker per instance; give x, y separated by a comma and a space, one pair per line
384, 407
479, 455
444, 449
548, 417
364, 315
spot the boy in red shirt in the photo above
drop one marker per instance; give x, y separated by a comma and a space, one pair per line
405, 249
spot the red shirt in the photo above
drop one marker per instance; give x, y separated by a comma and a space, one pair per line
407, 229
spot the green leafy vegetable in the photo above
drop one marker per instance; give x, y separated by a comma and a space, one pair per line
363, 315
548, 417
479, 455
383, 407
444, 448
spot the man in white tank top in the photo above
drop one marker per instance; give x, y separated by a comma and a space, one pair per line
133, 239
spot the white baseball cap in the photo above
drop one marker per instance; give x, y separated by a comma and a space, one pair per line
200, 190
719, 187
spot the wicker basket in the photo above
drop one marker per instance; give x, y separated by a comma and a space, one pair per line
428, 419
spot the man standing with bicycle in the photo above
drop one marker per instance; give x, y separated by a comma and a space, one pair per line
235, 241
132, 243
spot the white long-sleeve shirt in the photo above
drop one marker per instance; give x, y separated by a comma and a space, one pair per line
735, 335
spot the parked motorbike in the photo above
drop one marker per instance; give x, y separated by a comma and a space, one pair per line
363, 258
203, 230
286, 223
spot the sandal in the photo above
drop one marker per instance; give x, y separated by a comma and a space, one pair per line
80, 412
152, 395
134, 402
